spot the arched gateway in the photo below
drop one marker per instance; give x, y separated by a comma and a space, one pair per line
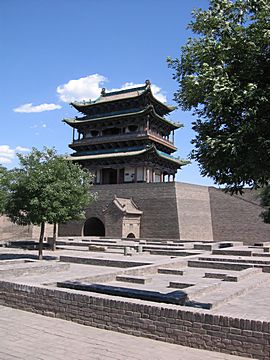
93, 227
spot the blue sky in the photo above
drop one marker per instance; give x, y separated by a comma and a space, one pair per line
55, 51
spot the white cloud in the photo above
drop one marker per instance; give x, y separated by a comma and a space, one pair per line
7, 154
37, 126
158, 93
4, 160
90, 87
29, 108
22, 149
85, 88
155, 90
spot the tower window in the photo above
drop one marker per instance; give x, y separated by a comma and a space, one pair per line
132, 128
94, 133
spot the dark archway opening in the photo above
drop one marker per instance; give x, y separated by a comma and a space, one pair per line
93, 227
131, 236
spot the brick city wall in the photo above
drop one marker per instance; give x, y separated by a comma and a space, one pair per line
156, 200
184, 211
166, 323
237, 218
11, 231
194, 213
113, 222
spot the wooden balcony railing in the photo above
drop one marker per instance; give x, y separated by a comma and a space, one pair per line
123, 137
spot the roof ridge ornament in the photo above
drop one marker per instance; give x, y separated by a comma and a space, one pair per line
103, 92
147, 82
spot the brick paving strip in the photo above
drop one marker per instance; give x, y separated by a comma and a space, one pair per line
29, 336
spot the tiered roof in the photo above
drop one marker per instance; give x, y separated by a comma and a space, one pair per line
149, 109
128, 152
121, 105
136, 93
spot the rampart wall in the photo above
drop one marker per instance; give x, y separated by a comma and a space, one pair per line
156, 200
170, 211
10, 231
237, 218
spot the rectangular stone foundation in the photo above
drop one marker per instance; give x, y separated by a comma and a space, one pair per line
174, 324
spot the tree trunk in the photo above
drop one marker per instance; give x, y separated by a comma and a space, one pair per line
40, 244
54, 237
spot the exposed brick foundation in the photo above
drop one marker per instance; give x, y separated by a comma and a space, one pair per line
161, 322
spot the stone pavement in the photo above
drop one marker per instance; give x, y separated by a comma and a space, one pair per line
28, 336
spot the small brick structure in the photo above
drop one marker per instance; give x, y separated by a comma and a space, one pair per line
123, 218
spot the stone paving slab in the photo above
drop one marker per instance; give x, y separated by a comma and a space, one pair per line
76, 271
28, 336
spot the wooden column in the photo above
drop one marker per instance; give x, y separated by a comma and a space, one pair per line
153, 176
100, 177
135, 175
118, 176
147, 175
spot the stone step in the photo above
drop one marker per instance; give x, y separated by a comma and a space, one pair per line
102, 262
31, 268
262, 244
72, 248
240, 275
164, 243
232, 252
244, 274
162, 248
266, 255
227, 292
134, 279
233, 260
174, 252
108, 241
202, 288
170, 271
179, 285
218, 265
71, 243
205, 247
213, 275
98, 248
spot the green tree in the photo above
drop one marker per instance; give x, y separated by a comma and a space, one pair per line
47, 188
265, 201
3, 173
224, 77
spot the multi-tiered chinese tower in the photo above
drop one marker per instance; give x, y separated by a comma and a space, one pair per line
124, 137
